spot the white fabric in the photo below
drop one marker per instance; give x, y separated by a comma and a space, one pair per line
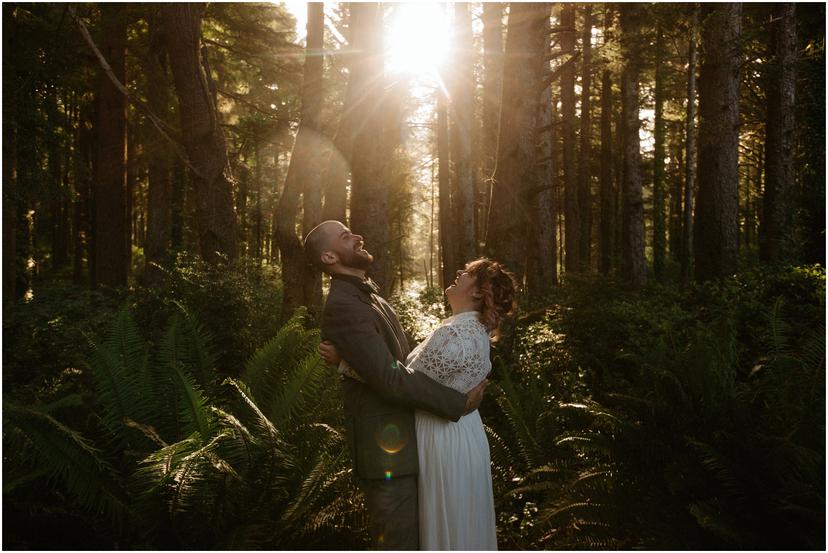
455, 482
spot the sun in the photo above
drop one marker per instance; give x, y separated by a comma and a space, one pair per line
417, 39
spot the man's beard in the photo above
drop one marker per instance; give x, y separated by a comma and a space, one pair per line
356, 261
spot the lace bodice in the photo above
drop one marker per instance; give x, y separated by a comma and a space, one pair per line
456, 354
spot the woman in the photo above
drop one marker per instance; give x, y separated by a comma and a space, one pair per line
456, 502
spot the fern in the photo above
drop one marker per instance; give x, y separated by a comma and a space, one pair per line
119, 366
66, 456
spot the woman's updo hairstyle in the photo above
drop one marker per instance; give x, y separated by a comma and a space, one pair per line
497, 288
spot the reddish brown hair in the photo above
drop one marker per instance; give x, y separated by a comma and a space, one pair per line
497, 288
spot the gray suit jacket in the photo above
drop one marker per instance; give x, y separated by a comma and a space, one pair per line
379, 414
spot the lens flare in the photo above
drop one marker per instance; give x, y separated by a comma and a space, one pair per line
390, 439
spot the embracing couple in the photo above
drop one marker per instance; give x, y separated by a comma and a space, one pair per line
419, 450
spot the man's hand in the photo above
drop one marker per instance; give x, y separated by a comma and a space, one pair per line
475, 396
328, 352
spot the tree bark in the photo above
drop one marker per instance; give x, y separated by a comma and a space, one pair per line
633, 265
338, 168
448, 263
572, 209
717, 210
159, 188
312, 94
10, 86
492, 84
607, 188
302, 175
690, 157
203, 137
585, 158
659, 244
461, 93
110, 218
527, 40
542, 260
779, 132
369, 191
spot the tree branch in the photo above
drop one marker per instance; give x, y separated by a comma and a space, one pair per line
555, 75
157, 122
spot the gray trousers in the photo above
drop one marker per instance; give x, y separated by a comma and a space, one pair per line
393, 512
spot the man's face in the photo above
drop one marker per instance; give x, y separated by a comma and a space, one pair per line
348, 248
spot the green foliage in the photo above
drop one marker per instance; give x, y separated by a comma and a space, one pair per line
179, 461
700, 422
238, 305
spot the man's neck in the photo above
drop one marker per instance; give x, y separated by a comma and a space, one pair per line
359, 273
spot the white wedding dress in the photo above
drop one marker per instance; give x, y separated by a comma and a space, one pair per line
455, 481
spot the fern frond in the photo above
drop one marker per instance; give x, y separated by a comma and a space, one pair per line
509, 403
175, 355
119, 366
71, 459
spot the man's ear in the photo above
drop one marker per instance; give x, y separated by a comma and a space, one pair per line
329, 258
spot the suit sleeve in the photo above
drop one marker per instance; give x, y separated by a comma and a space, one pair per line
361, 345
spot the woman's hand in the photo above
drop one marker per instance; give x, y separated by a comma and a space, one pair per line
328, 352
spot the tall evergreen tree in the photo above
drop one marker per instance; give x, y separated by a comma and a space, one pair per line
492, 84
585, 151
523, 67
779, 131
605, 240
302, 178
690, 144
717, 209
659, 184
572, 210
202, 133
110, 218
633, 265
461, 92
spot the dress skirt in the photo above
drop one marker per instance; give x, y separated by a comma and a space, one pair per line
456, 501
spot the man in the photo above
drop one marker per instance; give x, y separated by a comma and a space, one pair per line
380, 393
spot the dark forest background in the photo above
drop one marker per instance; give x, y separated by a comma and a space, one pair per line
654, 175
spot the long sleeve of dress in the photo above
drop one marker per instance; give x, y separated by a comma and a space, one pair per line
455, 355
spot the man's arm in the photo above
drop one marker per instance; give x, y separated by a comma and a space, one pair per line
361, 345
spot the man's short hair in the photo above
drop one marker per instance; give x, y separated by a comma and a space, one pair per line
316, 242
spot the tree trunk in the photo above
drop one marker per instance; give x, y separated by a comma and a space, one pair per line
633, 265
717, 210
312, 113
10, 85
448, 263
676, 190
690, 158
572, 209
369, 190
585, 159
526, 42
59, 211
779, 132
202, 133
492, 84
178, 204
461, 92
338, 170
659, 244
110, 218
303, 176
159, 188
607, 188
542, 261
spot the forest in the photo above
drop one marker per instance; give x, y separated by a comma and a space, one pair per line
652, 173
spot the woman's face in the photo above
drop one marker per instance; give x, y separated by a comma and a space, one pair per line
464, 286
